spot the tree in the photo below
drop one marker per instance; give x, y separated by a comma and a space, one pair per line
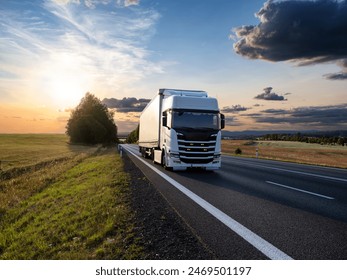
91, 122
133, 137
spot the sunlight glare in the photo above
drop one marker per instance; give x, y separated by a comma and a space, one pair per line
66, 90
65, 81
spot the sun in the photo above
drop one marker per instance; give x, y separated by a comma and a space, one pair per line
66, 90
65, 80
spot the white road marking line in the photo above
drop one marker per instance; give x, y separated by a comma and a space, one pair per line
299, 190
298, 172
261, 244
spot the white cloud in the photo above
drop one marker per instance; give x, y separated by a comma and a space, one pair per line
128, 3
104, 48
65, 2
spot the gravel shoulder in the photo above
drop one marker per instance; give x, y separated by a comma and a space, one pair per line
163, 233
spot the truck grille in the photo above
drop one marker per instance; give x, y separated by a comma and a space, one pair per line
196, 151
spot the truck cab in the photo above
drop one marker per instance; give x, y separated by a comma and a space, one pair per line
188, 130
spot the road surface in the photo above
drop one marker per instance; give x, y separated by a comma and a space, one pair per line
259, 209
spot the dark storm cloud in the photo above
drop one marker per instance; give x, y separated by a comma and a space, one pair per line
336, 76
341, 75
234, 109
306, 32
335, 115
268, 95
127, 104
275, 111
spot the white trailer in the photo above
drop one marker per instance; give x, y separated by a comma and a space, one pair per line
181, 129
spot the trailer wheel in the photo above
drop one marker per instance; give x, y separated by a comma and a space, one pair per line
143, 152
152, 154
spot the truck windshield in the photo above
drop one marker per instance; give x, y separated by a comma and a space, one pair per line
195, 120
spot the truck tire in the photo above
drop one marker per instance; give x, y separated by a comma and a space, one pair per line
143, 152
163, 161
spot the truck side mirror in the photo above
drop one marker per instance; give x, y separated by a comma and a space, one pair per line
222, 121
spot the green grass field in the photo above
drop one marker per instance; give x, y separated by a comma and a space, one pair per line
27, 149
63, 202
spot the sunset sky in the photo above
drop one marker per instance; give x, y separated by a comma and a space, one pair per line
272, 65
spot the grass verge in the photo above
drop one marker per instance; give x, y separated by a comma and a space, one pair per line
82, 213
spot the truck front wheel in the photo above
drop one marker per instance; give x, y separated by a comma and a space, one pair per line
164, 160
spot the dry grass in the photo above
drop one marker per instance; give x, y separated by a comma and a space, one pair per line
334, 156
18, 150
64, 202
30, 163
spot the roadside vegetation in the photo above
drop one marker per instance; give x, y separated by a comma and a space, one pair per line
24, 150
61, 201
133, 136
300, 152
91, 122
324, 139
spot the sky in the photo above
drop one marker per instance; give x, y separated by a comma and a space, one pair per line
271, 64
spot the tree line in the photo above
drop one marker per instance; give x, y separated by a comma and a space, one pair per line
298, 137
133, 136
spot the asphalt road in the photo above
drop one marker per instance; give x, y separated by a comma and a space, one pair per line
259, 209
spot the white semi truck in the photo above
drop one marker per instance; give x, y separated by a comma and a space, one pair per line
181, 129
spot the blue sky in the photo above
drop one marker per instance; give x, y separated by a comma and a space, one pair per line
263, 70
